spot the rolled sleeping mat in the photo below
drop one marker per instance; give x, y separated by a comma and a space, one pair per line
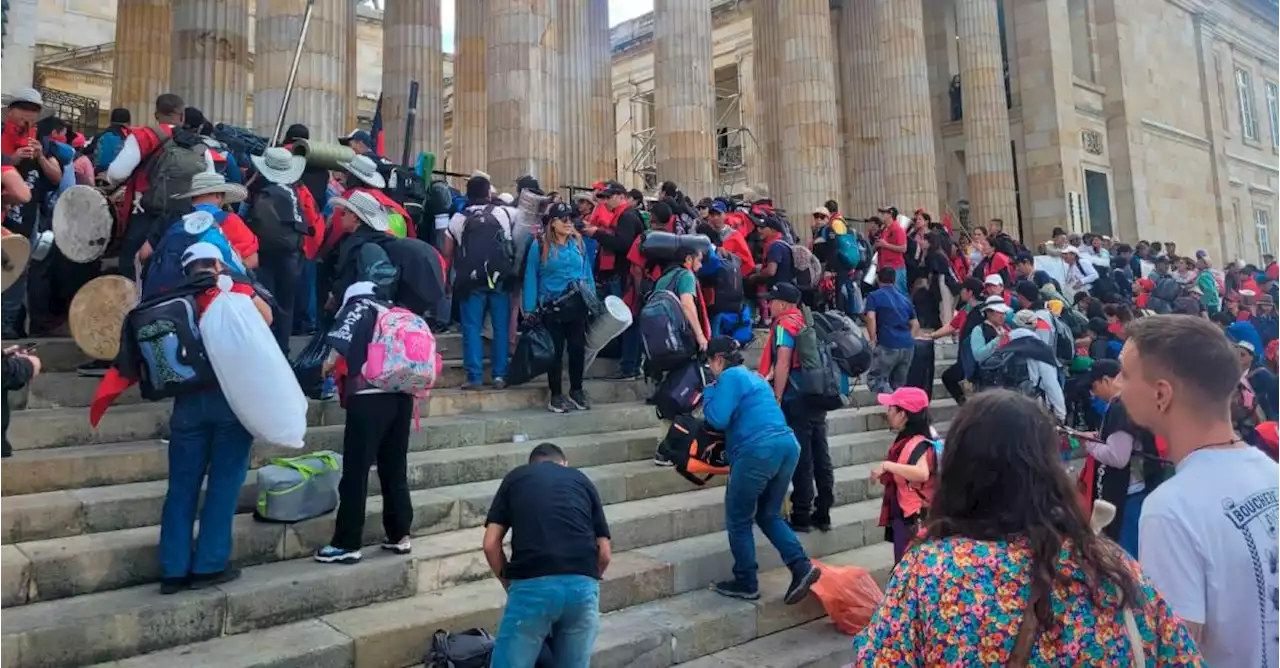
525, 226
660, 246
323, 154
606, 327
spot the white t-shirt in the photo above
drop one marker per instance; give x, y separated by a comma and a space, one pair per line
504, 215
1208, 542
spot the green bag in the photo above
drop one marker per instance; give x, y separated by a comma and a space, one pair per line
292, 489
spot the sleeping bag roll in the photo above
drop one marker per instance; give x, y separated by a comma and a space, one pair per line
659, 246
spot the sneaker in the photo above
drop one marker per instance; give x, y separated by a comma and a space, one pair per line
402, 546
499, 383
801, 580
170, 586
579, 400
471, 385
559, 404
822, 523
623, 375
735, 589
203, 580
94, 369
799, 527
660, 460
332, 555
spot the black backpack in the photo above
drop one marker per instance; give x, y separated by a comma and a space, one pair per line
665, 333
374, 265
680, 391
695, 450
1007, 369
171, 356
727, 284
439, 199
486, 254
1064, 341
469, 649
277, 220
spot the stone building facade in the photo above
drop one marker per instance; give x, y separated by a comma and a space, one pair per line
1145, 119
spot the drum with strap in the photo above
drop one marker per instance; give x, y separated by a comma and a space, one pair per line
82, 224
15, 250
97, 315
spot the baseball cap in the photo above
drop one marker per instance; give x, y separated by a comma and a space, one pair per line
996, 304
1245, 345
201, 250
1071, 249
822, 211
994, 279
889, 209
611, 188
1103, 368
784, 292
557, 211
1024, 319
909, 399
357, 135
719, 206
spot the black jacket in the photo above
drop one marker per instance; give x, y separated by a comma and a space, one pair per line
17, 372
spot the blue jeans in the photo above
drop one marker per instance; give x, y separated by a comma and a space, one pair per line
497, 305
564, 607
304, 306
630, 362
204, 435
900, 280
758, 480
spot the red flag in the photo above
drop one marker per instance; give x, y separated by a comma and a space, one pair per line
379, 145
110, 387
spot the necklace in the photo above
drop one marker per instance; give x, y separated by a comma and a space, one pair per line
1234, 440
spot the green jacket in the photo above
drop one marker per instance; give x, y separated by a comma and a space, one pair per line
1209, 286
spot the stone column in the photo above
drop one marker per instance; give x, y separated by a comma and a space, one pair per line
810, 119
211, 57
988, 156
142, 62
906, 122
764, 33
320, 93
1126, 137
352, 69
749, 104
684, 95
412, 51
862, 94
587, 150
20, 45
469, 102
522, 73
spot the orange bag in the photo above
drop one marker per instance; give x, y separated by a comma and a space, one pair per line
849, 595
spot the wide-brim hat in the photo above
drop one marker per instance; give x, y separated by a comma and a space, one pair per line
366, 208
362, 167
213, 183
279, 165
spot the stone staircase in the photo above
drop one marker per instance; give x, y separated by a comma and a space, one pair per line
81, 512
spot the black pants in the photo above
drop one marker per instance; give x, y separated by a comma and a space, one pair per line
51, 284
377, 431
280, 273
571, 334
813, 468
951, 380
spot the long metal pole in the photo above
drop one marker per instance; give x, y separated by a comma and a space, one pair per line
410, 116
293, 72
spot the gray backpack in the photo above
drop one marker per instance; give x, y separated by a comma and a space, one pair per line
292, 489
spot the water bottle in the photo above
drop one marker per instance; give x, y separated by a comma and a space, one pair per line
328, 388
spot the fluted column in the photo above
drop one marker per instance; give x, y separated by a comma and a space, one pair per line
906, 123
211, 57
412, 51
142, 59
320, 97
764, 33
988, 155
351, 67
684, 95
470, 117
749, 110
522, 74
861, 91
810, 120
587, 150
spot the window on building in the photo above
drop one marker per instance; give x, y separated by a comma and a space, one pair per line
1081, 42
1222, 93
1273, 113
1262, 221
1248, 113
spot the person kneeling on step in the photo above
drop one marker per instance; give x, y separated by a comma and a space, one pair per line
762, 452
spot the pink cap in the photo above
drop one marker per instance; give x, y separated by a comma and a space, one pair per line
909, 399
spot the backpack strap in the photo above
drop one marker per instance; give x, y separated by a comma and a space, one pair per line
699, 481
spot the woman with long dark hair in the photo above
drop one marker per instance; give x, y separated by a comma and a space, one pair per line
1007, 570
555, 282
907, 470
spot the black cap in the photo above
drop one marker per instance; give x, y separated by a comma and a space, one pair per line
705, 203
1103, 368
720, 345
890, 209
121, 115
611, 188
297, 131
1028, 290
527, 182
784, 292
557, 211
192, 118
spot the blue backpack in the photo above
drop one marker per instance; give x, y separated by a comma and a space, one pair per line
163, 270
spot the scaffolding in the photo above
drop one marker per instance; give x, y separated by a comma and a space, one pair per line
732, 137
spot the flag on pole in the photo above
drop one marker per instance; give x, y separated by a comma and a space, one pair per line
379, 145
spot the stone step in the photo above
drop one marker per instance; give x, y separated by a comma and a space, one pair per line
450, 568
817, 644
58, 427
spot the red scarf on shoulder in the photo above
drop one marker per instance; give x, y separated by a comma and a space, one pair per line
792, 322
603, 218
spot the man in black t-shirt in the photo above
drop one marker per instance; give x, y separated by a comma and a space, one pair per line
559, 551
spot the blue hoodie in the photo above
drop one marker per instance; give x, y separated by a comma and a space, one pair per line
565, 264
741, 404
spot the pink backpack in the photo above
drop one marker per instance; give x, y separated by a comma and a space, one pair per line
402, 355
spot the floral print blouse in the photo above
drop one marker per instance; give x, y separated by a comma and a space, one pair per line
959, 602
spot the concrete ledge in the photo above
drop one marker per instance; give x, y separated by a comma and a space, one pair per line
309, 644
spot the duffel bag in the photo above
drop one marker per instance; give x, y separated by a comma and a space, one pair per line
292, 489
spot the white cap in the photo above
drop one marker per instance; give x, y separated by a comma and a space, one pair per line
201, 250
996, 304
994, 279
1245, 345
506, 198
1071, 249
358, 289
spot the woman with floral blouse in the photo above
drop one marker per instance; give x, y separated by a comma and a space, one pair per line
1006, 570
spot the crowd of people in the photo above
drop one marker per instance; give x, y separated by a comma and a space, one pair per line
1076, 343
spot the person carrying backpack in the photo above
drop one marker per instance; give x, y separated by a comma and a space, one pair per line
106, 145
909, 473
891, 328
208, 222
1025, 364
360, 256
615, 226
481, 249
285, 218
762, 453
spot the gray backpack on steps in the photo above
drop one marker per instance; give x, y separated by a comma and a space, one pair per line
292, 489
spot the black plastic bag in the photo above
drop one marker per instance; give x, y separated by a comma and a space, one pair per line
308, 366
534, 355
